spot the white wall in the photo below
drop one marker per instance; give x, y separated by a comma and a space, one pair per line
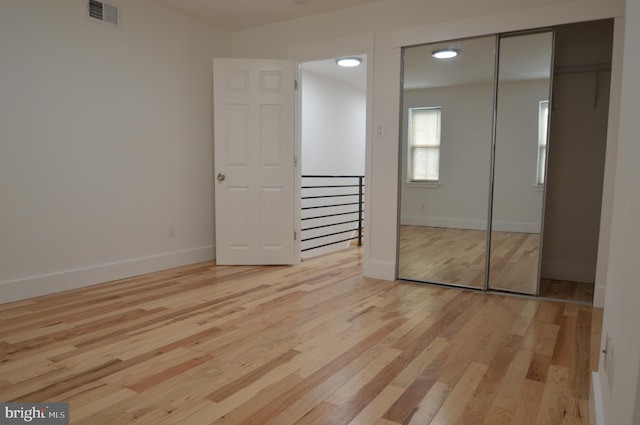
333, 126
461, 201
620, 396
517, 202
106, 141
461, 198
333, 143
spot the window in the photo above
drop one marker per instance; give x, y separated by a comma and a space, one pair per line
543, 126
424, 144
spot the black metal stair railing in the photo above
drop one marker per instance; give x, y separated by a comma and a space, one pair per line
331, 206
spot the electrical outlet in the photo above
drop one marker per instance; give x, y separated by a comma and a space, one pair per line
172, 231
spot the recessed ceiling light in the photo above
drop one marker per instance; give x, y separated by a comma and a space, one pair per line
447, 53
349, 62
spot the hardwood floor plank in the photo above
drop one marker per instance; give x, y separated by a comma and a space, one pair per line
106, 402
497, 416
509, 390
480, 404
526, 409
318, 414
453, 407
351, 387
429, 405
556, 400
414, 383
254, 375
376, 408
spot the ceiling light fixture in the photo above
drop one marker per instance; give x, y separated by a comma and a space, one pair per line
349, 62
447, 53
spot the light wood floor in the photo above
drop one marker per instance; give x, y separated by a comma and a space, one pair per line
440, 255
515, 259
565, 290
311, 344
457, 256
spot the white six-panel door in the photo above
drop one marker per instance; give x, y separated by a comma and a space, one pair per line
254, 161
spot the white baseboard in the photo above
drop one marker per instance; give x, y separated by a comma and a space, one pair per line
568, 271
514, 226
450, 223
470, 224
599, 293
20, 289
596, 413
379, 270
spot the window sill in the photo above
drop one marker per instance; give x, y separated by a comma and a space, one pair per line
423, 185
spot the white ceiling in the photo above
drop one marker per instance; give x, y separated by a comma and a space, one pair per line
356, 76
525, 57
234, 15
473, 65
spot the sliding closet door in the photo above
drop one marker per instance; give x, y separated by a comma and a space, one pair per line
447, 114
522, 118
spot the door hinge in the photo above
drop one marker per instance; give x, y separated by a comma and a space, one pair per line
295, 236
295, 161
295, 84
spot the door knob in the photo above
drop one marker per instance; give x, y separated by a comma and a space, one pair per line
221, 177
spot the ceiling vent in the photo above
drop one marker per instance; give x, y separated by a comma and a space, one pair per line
103, 12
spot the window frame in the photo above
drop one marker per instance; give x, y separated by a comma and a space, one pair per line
412, 148
543, 140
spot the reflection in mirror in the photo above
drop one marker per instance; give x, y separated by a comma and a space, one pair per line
447, 113
519, 163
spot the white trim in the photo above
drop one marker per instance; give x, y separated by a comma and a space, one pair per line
36, 286
450, 223
333, 48
456, 223
558, 14
610, 163
515, 226
599, 293
379, 270
596, 408
568, 271
423, 184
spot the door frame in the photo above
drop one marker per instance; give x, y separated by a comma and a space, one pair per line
328, 49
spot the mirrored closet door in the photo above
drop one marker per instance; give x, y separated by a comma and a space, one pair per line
522, 112
473, 161
447, 113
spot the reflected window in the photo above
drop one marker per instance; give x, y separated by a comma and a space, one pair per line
543, 125
424, 144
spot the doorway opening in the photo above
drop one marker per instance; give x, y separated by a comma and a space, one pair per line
333, 133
